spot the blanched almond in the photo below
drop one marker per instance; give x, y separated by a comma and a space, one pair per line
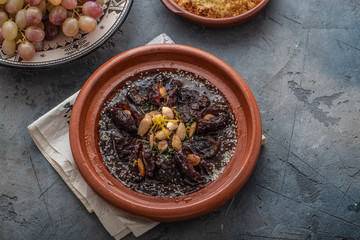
208, 116
181, 131
161, 135
193, 159
154, 113
144, 126
192, 129
172, 126
167, 113
148, 115
162, 145
141, 167
127, 112
176, 142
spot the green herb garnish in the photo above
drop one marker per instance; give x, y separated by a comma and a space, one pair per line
188, 124
167, 157
171, 150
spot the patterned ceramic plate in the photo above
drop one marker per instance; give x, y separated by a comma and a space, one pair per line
65, 49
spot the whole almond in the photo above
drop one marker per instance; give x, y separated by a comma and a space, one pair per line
176, 142
161, 135
181, 131
141, 167
162, 145
162, 92
144, 126
193, 159
192, 129
167, 113
208, 116
172, 126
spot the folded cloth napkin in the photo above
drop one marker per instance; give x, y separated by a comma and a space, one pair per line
54, 144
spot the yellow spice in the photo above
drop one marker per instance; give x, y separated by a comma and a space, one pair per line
217, 8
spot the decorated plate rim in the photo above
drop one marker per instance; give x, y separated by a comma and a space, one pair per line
66, 59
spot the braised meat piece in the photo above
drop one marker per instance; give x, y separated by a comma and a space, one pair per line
148, 91
193, 98
187, 169
219, 120
133, 110
121, 142
172, 94
149, 161
122, 120
206, 146
191, 103
166, 170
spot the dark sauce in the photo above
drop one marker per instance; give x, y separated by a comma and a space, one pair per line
167, 173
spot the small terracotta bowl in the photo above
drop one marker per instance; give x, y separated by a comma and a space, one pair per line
215, 22
111, 77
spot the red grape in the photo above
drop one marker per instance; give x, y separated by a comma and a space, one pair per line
42, 7
33, 2
13, 6
26, 50
8, 47
55, 2
34, 34
70, 27
38, 46
3, 17
51, 31
33, 15
57, 15
92, 9
9, 30
20, 19
1, 37
87, 24
69, 4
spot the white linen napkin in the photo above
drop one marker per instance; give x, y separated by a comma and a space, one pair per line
54, 144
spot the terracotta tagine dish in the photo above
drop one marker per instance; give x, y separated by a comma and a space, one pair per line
214, 13
166, 132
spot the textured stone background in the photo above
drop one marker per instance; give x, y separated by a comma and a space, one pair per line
302, 61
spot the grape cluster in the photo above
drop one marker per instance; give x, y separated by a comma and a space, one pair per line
25, 24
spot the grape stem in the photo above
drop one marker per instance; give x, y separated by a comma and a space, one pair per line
76, 12
23, 36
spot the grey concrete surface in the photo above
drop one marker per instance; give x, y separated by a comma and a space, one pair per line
302, 61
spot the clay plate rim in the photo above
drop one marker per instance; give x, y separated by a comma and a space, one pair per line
215, 22
86, 112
